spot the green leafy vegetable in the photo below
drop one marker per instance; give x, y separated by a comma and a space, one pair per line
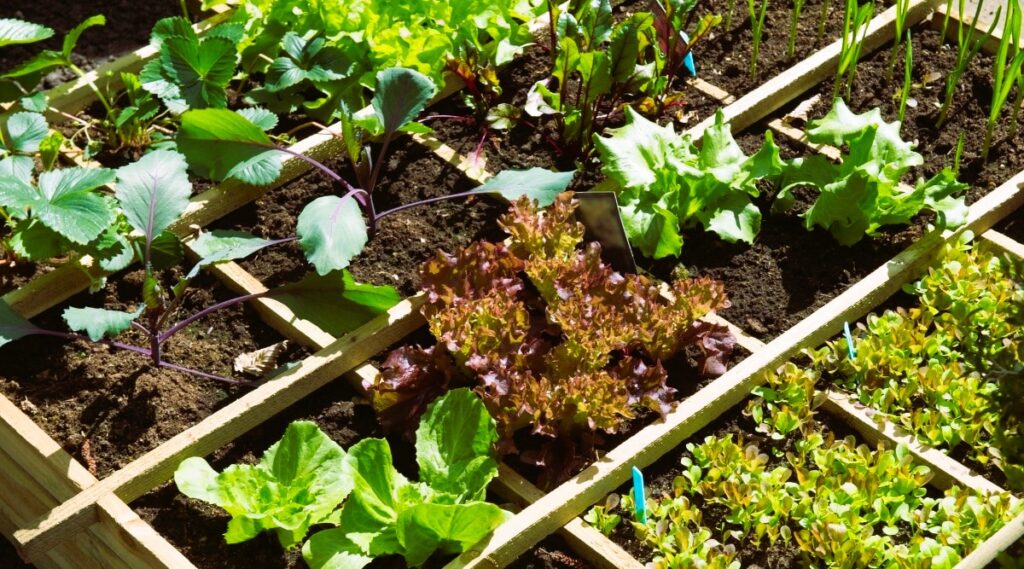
537, 184
665, 183
400, 97
154, 191
64, 201
12, 325
863, 193
335, 301
332, 231
190, 73
387, 514
301, 481
298, 483
98, 322
221, 144
13, 31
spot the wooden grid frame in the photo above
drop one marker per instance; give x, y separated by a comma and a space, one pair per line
61, 516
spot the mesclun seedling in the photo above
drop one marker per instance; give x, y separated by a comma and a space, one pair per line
966, 48
838, 503
666, 184
332, 230
862, 193
572, 350
935, 369
152, 194
303, 479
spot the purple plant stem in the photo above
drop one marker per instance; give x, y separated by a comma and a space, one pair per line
203, 374
164, 336
362, 197
73, 336
427, 202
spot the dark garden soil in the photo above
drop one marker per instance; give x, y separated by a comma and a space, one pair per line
723, 56
107, 407
9, 558
968, 115
21, 273
403, 240
659, 479
127, 29
197, 528
1013, 225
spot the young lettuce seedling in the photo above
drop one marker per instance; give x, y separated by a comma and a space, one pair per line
666, 184
304, 478
332, 230
862, 192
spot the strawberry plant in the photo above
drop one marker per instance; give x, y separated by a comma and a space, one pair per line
551, 337
667, 184
307, 479
839, 504
862, 193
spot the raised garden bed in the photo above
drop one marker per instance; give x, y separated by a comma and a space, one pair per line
61, 515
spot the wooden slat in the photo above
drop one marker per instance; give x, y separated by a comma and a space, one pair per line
133, 541
156, 466
789, 84
586, 541
1004, 243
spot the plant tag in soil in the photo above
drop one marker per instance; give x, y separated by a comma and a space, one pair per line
599, 214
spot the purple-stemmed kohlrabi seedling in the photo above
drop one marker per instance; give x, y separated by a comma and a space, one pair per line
152, 194
332, 230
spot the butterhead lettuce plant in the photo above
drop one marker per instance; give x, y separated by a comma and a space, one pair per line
666, 184
862, 193
307, 479
554, 341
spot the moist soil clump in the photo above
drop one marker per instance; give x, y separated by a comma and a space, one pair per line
403, 240
107, 407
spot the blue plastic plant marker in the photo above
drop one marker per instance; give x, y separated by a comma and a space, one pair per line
639, 498
688, 60
849, 341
